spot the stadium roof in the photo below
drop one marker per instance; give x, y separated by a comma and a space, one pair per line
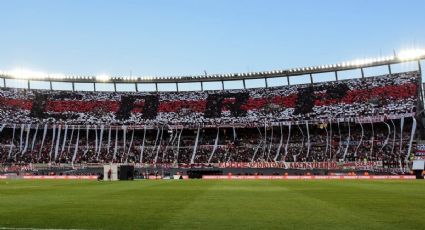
401, 57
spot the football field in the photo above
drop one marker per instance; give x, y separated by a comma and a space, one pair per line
212, 204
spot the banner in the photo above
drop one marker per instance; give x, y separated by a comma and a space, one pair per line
65, 135
156, 140
327, 140
361, 140
142, 148
28, 129
270, 145
347, 142
42, 140
11, 142
109, 140
76, 145
58, 142
178, 145
259, 177
196, 146
124, 136
420, 151
96, 140
20, 139
303, 165
372, 140
308, 139
70, 139
215, 145
53, 141
102, 127
287, 142
394, 137
116, 144
412, 135
129, 147
159, 145
280, 144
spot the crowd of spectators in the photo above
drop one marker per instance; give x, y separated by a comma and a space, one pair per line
374, 96
341, 142
300, 123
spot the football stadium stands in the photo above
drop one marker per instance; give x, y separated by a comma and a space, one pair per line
357, 123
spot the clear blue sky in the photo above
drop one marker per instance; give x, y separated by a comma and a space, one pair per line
179, 37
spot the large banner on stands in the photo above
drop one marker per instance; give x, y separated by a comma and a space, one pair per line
420, 150
334, 165
304, 165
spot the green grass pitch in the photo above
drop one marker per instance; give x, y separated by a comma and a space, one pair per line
201, 204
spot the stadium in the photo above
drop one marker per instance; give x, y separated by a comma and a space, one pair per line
364, 125
330, 146
367, 127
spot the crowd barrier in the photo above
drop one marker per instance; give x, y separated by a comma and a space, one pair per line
72, 177
53, 177
374, 177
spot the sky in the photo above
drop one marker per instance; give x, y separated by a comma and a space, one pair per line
188, 37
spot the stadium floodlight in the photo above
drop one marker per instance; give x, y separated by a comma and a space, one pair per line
412, 54
26, 74
102, 77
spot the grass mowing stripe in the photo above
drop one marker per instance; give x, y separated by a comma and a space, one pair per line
212, 204
10, 228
